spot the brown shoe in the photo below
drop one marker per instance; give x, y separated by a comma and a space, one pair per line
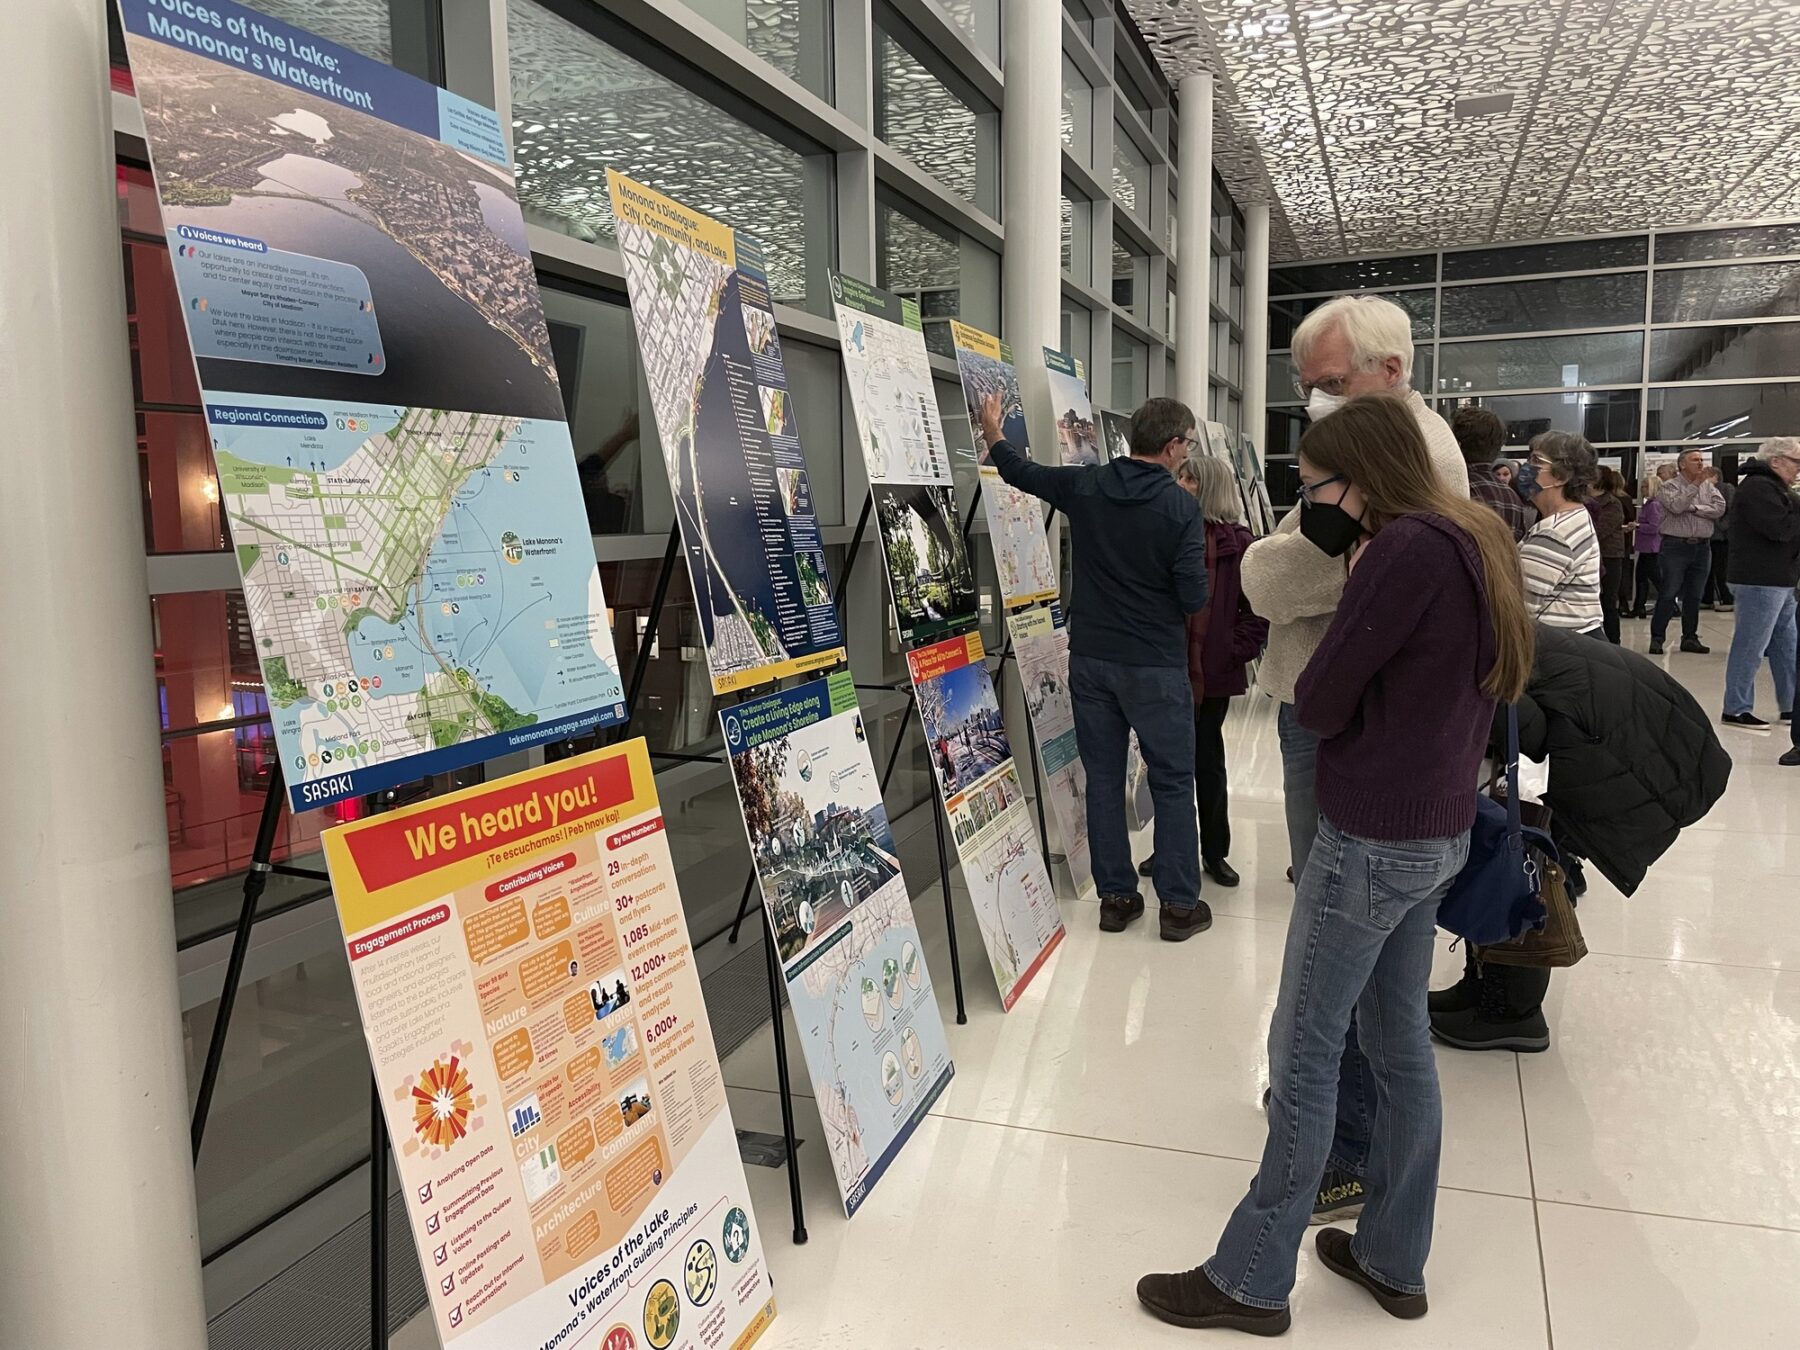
1118, 910
1179, 924
1333, 1245
1190, 1299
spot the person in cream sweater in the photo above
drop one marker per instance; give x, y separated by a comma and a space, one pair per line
1295, 577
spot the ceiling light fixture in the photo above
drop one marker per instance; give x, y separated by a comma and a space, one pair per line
1482, 105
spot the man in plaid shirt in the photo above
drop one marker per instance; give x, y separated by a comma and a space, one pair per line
1481, 434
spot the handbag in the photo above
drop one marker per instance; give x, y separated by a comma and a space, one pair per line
1558, 943
1497, 895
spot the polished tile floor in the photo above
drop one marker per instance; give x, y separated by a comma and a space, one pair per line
1638, 1186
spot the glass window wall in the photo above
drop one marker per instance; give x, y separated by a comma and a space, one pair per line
1541, 363
1757, 351
945, 133
1539, 306
1750, 291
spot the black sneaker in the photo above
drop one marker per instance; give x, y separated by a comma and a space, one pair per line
1290, 876
1220, 871
1788, 716
1750, 720
1146, 867
1341, 1196
1656, 649
1190, 1299
1696, 646
1179, 924
1791, 760
1118, 910
1333, 1246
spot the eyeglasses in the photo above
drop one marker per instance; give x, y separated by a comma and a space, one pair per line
1335, 386
1307, 489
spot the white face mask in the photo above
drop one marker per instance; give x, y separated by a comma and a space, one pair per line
1321, 404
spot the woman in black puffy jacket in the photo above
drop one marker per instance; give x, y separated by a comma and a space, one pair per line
1633, 762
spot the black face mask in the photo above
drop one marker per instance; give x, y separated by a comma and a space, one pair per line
1329, 528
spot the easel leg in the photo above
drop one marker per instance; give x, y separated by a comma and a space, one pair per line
378, 1215
781, 1074
1037, 766
937, 819
255, 881
856, 538
647, 639
743, 906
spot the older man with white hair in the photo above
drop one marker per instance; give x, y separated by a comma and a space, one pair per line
1353, 345
1764, 569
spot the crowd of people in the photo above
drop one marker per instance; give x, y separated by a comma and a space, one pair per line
1425, 592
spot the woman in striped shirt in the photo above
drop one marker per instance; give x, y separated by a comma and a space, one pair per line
1560, 555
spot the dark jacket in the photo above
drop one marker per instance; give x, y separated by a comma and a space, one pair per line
1227, 635
1633, 757
1608, 510
1394, 690
1765, 531
1140, 554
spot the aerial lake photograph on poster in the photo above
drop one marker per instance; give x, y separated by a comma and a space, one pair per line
435, 233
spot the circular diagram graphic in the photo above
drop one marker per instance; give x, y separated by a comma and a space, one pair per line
910, 963
443, 1099
809, 918
915, 1054
619, 1338
702, 1272
662, 1315
736, 1236
871, 1004
891, 1081
890, 980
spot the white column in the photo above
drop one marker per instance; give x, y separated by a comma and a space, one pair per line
1256, 321
1193, 243
99, 1243
1031, 150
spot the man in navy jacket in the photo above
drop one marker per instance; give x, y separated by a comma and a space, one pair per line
1140, 570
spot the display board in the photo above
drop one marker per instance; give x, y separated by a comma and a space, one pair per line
730, 437
1041, 645
534, 1017
850, 952
381, 400
1015, 519
996, 842
930, 577
1115, 433
1077, 436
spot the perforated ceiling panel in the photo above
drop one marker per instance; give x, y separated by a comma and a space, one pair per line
1627, 114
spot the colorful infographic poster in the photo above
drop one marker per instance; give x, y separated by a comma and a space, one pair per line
1076, 434
534, 1018
930, 577
1015, 519
1041, 643
837, 902
384, 410
1115, 434
996, 841
730, 439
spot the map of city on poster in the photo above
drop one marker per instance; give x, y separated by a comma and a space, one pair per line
1015, 519
1077, 436
1041, 643
543, 1055
843, 922
393, 462
730, 438
1115, 433
930, 577
1014, 902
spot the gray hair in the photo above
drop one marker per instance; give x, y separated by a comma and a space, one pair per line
1570, 457
1217, 489
1780, 447
1375, 329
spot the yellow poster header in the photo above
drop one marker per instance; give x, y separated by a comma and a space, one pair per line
648, 209
974, 340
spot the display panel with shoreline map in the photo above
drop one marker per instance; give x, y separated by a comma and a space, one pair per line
532, 1006
930, 577
836, 899
382, 403
1003, 867
1015, 519
730, 438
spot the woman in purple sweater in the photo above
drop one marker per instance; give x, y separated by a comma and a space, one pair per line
1431, 632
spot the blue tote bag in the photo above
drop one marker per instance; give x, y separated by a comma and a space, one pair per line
1497, 897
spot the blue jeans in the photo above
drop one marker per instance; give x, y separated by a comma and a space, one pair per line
1765, 627
1110, 701
1356, 1083
1685, 564
1360, 940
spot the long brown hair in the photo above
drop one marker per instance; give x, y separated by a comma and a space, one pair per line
1375, 442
